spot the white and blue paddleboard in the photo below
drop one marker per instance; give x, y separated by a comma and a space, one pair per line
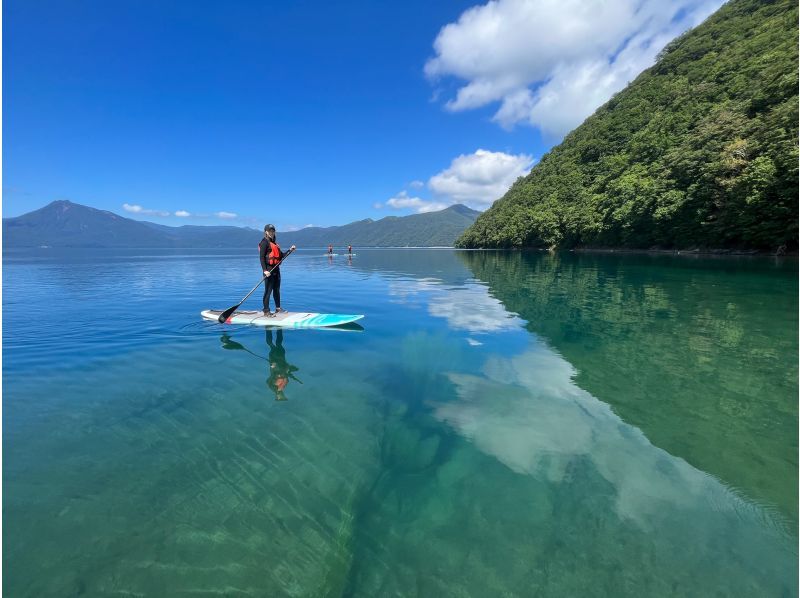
286, 319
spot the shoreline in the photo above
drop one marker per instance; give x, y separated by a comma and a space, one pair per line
689, 252
681, 252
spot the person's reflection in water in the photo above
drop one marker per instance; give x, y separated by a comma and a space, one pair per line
280, 370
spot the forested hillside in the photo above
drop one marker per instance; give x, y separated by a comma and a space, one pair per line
701, 150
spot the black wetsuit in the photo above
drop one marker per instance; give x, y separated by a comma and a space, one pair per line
272, 286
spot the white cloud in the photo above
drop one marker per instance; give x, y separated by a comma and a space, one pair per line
539, 422
402, 201
479, 179
472, 309
476, 179
182, 214
468, 308
551, 63
226, 215
137, 209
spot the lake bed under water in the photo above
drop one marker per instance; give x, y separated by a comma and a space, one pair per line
504, 423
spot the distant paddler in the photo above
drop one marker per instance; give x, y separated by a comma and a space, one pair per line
270, 254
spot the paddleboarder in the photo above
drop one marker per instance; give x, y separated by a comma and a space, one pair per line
270, 254
330, 249
350, 250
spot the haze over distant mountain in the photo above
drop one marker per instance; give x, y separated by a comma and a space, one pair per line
434, 229
67, 224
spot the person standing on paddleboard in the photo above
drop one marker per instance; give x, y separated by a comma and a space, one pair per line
270, 254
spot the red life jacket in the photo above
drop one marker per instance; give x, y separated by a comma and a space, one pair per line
274, 254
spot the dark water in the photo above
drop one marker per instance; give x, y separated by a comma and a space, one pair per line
504, 424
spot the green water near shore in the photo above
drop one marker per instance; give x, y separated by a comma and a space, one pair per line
505, 424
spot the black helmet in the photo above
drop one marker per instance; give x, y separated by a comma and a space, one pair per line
269, 227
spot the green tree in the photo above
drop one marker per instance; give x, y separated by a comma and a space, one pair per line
699, 151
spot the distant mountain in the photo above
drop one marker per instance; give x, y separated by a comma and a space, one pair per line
434, 229
67, 224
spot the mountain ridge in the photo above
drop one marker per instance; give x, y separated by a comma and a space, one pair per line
63, 223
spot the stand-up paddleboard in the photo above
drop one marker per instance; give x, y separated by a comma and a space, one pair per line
286, 319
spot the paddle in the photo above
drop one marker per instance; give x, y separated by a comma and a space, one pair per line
230, 344
227, 313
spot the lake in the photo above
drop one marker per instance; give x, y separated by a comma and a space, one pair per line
501, 423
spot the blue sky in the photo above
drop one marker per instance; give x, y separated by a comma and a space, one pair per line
304, 112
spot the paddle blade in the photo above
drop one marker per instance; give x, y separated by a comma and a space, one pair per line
223, 317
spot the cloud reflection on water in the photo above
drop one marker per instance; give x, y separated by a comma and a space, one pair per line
527, 412
467, 308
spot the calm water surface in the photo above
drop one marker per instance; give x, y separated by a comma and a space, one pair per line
504, 424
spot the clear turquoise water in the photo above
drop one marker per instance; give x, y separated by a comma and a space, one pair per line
504, 424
